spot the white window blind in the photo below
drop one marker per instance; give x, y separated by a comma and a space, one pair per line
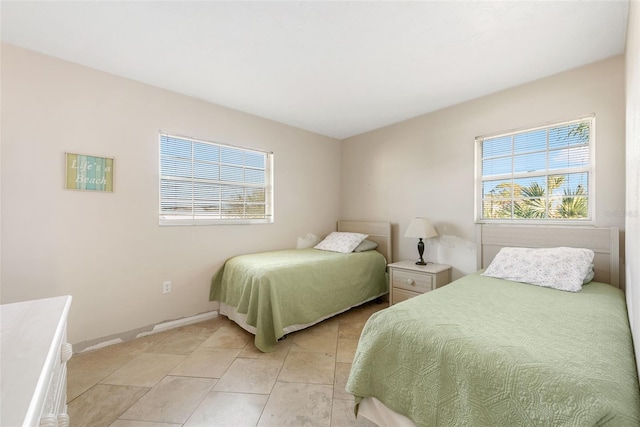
539, 174
211, 183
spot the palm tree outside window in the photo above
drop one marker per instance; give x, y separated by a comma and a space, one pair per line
537, 174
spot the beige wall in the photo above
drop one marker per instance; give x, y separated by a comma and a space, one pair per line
633, 173
107, 250
425, 166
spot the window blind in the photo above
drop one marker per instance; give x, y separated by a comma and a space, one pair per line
544, 173
211, 183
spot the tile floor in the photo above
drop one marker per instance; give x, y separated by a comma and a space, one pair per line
211, 374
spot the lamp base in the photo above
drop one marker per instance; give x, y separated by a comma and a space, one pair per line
421, 261
420, 252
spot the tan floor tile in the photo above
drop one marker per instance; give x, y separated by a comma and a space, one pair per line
294, 404
228, 409
340, 382
282, 349
331, 322
342, 415
221, 321
129, 423
85, 370
89, 368
250, 376
231, 336
145, 370
218, 348
346, 349
319, 338
142, 344
308, 367
329, 325
363, 312
207, 362
351, 329
103, 404
180, 342
173, 400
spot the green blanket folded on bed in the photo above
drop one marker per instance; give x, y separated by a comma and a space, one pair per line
296, 287
489, 352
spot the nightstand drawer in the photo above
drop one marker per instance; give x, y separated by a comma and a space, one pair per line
400, 295
415, 282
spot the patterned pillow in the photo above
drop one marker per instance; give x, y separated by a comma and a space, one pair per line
559, 268
341, 242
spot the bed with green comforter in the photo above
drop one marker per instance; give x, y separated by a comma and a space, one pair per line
273, 293
489, 352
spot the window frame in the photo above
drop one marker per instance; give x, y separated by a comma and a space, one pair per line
589, 169
192, 218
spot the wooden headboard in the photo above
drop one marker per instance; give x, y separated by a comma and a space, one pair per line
602, 240
379, 232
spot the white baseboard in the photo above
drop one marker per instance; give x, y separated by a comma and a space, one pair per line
142, 332
102, 345
172, 324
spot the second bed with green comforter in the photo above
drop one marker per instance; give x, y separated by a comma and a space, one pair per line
489, 352
271, 293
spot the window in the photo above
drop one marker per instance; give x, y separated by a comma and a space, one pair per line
540, 174
211, 183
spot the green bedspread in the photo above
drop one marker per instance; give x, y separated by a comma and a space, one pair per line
489, 352
296, 287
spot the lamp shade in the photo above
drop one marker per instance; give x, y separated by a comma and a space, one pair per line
420, 228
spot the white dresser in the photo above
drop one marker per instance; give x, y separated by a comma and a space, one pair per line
33, 356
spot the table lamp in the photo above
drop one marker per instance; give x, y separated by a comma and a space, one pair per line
422, 229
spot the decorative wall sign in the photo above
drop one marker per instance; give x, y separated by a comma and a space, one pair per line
89, 173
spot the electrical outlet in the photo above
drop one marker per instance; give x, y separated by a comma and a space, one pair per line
166, 286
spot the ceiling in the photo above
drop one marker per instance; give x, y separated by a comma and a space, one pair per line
334, 68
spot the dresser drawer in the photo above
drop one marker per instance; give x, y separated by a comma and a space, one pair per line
400, 295
415, 282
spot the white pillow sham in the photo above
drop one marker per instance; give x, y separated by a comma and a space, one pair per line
559, 268
341, 242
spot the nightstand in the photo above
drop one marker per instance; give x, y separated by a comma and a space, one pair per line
409, 280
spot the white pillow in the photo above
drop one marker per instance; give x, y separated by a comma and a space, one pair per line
341, 242
559, 268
